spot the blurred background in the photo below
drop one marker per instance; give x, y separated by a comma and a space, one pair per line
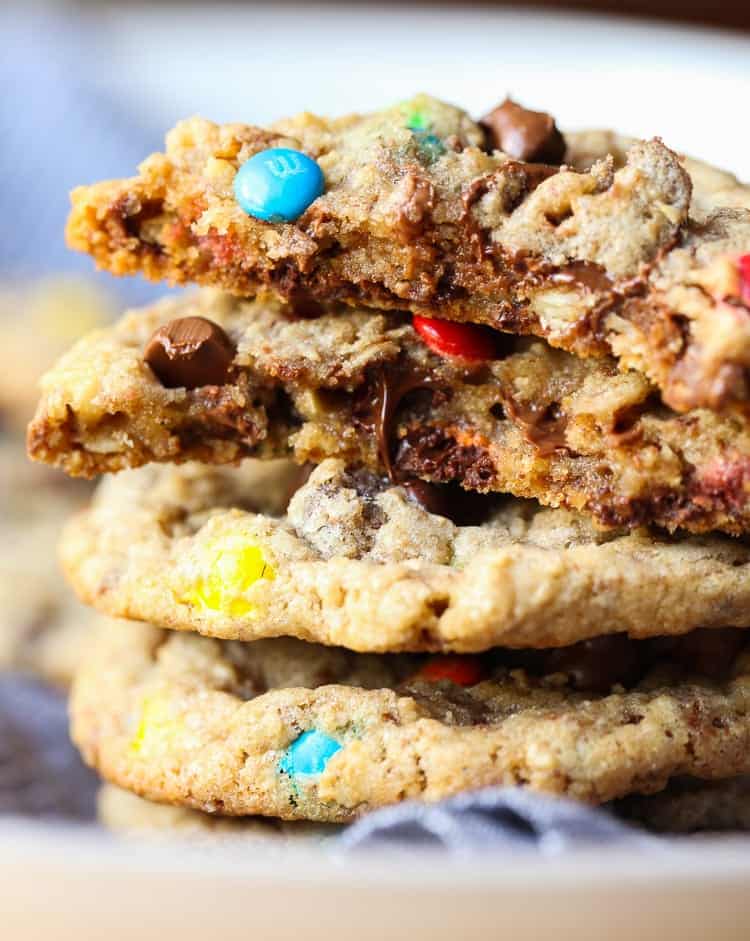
89, 88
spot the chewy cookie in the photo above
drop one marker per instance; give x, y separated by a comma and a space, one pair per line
419, 208
360, 563
215, 379
300, 731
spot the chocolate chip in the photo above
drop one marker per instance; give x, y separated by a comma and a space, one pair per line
190, 352
523, 134
462, 507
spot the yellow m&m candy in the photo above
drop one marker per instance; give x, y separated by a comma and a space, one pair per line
155, 727
231, 567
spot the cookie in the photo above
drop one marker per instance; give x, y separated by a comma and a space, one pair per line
712, 188
366, 388
422, 212
43, 628
299, 731
128, 815
686, 805
690, 806
39, 321
359, 563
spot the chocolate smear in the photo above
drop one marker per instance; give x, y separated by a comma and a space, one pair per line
542, 427
381, 401
585, 274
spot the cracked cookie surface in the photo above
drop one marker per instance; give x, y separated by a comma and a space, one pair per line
358, 563
227, 727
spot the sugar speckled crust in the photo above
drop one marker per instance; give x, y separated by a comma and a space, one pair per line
207, 724
43, 628
357, 563
596, 261
537, 422
690, 806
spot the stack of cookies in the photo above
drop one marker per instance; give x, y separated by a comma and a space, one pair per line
496, 383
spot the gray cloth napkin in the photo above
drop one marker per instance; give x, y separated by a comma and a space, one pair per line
41, 774
508, 818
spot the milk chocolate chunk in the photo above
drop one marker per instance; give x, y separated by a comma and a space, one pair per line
190, 352
524, 134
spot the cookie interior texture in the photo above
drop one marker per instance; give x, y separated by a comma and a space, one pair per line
431, 218
357, 562
364, 387
217, 726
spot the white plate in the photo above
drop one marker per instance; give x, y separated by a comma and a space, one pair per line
256, 62
59, 885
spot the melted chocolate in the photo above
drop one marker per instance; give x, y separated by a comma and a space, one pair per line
585, 274
380, 402
428, 452
706, 652
415, 210
544, 428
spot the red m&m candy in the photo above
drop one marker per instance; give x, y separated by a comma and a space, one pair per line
462, 670
744, 265
467, 340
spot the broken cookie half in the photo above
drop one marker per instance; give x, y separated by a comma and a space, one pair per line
422, 209
213, 378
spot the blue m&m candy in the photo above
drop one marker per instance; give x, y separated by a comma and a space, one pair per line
278, 184
309, 754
